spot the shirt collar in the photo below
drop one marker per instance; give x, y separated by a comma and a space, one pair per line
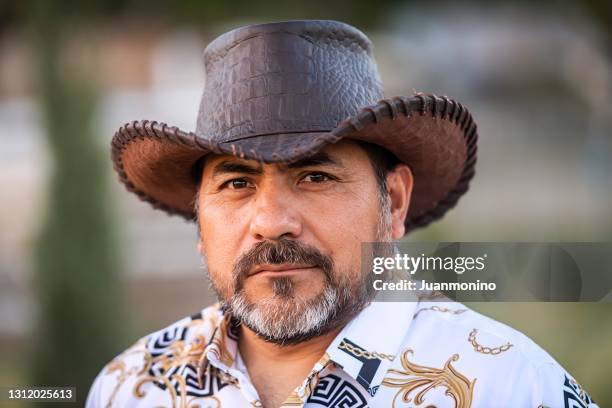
364, 348
368, 344
223, 346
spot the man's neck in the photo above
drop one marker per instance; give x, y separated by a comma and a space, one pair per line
276, 370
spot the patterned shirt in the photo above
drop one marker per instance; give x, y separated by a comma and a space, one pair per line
418, 354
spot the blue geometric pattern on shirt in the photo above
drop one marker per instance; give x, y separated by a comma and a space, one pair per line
161, 344
574, 396
368, 369
333, 391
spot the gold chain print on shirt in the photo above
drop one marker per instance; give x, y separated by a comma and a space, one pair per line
483, 349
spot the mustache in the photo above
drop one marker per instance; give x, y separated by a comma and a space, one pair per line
279, 252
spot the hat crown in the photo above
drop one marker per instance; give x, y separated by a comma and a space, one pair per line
289, 77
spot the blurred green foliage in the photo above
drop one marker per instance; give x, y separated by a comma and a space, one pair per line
78, 327
362, 13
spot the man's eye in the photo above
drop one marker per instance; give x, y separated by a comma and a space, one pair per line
316, 178
237, 184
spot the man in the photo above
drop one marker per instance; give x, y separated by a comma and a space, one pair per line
294, 164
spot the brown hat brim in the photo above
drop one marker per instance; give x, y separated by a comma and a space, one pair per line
435, 136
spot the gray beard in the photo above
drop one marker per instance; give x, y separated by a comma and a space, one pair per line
286, 319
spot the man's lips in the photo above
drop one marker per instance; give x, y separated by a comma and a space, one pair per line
279, 268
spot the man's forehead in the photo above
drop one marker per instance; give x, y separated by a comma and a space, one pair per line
339, 155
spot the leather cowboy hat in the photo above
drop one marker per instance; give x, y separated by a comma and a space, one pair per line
279, 92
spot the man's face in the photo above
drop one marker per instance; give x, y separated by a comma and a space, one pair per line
283, 242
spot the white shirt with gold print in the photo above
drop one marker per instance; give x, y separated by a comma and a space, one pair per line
424, 354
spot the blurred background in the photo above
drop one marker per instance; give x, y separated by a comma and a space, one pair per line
86, 269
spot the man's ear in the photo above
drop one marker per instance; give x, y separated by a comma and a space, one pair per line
399, 183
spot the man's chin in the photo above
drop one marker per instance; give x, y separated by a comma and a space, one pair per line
286, 340
287, 320
307, 323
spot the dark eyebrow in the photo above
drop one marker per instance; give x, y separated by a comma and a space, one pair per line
233, 167
316, 159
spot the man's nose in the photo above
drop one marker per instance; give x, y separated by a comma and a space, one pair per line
274, 215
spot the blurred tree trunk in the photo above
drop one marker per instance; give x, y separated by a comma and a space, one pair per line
76, 270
